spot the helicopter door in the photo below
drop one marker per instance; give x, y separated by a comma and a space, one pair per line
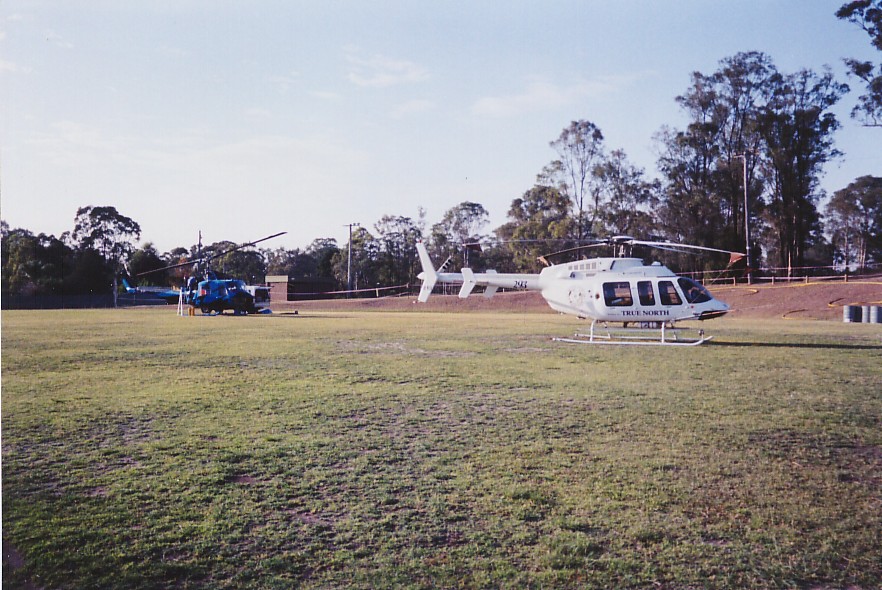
617, 294
667, 293
645, 293
694, 292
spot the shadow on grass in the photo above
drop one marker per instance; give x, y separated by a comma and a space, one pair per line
307, 316
811, 345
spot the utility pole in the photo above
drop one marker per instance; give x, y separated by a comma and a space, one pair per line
349, 260
746, 220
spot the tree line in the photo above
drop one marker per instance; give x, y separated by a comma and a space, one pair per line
749, 160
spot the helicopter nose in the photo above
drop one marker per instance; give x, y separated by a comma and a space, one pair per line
716, 309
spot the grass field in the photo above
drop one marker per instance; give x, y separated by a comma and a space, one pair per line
143, 450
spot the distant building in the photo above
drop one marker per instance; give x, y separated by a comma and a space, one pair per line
284, 288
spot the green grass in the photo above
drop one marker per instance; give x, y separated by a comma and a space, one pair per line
143, 450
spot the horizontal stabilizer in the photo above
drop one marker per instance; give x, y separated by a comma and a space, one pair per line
468, 283
490, 291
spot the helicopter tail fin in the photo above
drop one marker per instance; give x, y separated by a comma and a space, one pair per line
128, 287
428, 276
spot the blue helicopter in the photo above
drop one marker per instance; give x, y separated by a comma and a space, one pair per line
212, 295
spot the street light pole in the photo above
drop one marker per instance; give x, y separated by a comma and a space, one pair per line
349, 259
746, 220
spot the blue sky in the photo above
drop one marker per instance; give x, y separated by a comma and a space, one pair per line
246, 119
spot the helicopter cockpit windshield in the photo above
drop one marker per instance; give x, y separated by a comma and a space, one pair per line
694, 292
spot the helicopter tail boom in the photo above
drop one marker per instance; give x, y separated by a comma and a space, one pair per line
468, 279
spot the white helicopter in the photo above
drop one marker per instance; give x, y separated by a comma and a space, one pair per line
604, 290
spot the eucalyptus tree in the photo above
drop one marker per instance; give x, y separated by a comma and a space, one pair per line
291, 263
35, 264
397, 237
628, 196
110, 234
146, 259
461, 225
797, 126
580, 150
853, 218
689, 210
704, 165
867, 14
539, 222
322, 251
366, 259
748, 119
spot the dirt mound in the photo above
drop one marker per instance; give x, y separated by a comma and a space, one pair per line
815, 300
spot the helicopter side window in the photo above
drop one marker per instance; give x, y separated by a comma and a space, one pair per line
617, 294
667, 293
644, 292
694, 292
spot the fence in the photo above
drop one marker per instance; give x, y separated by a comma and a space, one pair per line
88, 301
773, 275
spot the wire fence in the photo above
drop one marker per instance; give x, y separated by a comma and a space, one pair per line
784, 274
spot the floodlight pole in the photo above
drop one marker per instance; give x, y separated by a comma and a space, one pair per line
746, 220
349, 259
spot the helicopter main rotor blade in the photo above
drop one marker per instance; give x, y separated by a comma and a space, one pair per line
240, 246
595, 244
204, 259
169, 267
670, 245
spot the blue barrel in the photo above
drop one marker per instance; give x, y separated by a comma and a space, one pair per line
875, 314
851, 313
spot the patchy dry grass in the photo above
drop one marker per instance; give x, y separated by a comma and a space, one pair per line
435, 450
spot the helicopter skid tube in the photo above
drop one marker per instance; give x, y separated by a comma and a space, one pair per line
610, 336
633, 342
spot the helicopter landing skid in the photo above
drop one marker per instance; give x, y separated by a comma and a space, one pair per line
666, 336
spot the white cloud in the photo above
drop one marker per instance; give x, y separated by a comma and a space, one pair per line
326, 95
379, 71
413, 107
57, 39
12, 67
73, 145
543, 96
284, 82
172, 52
257, 113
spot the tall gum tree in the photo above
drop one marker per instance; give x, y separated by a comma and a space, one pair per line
854, 221
460, 225
723, 109
797, 127
539, 222
867, 14
783, 127
109, 233
580, 150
